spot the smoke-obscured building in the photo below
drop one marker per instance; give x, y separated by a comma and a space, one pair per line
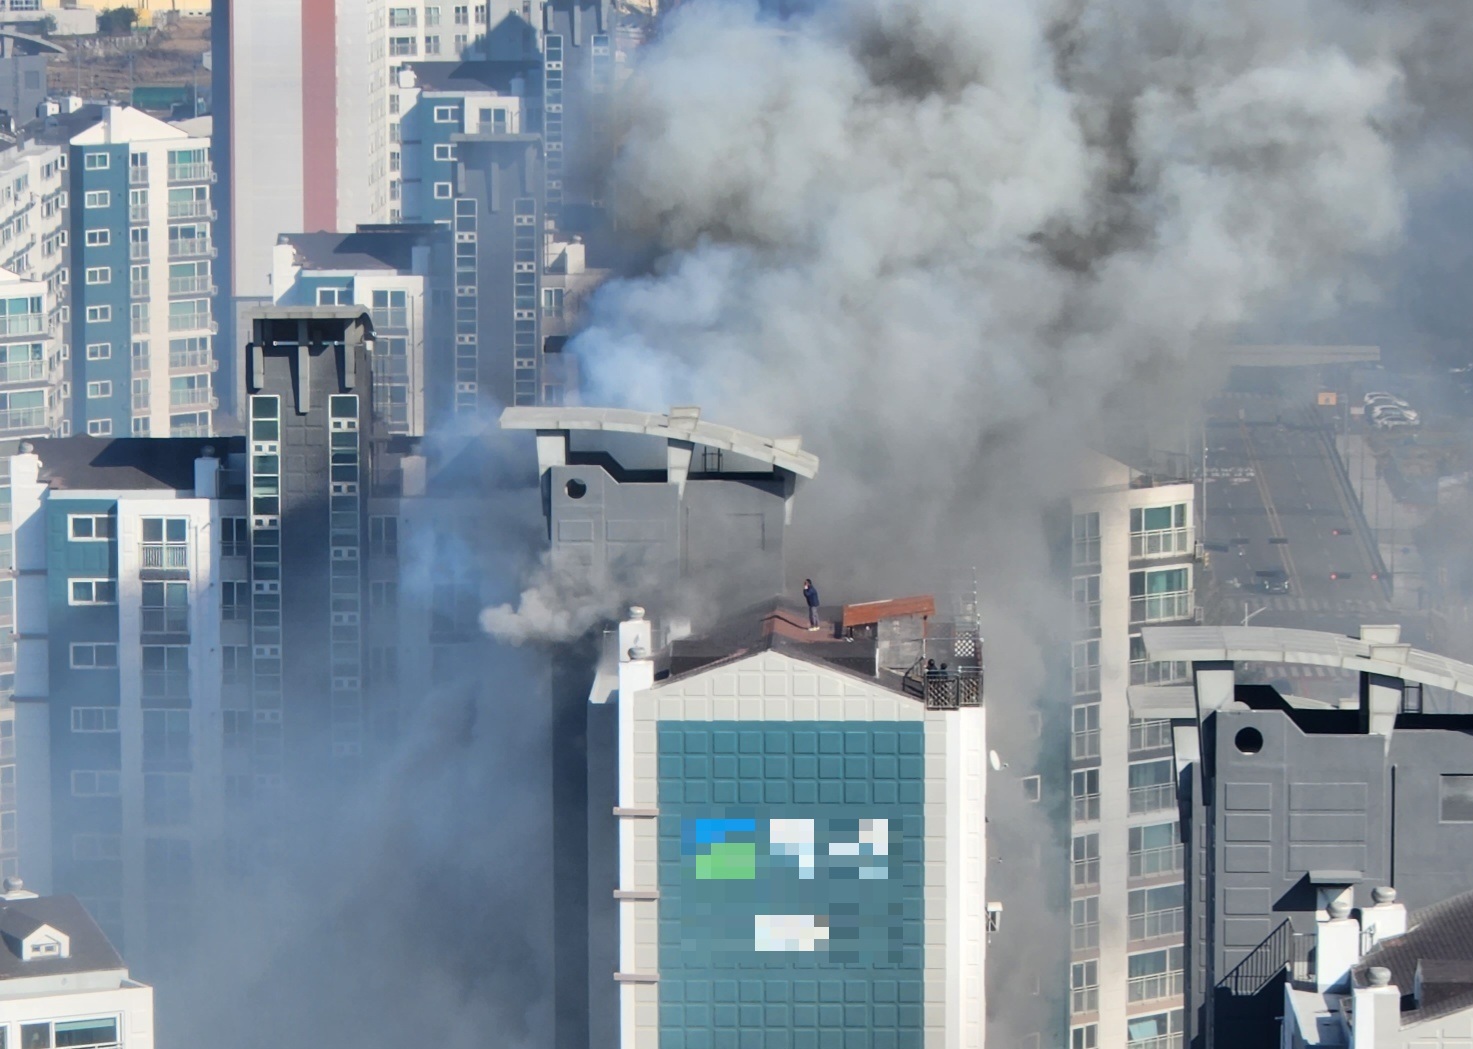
402, 276
800, 821
1298, 815
1132, 556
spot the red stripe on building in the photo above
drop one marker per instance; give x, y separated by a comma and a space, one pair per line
319, 115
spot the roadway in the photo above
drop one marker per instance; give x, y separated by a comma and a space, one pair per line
1274, 501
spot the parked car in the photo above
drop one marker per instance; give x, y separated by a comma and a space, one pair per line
1380, 398
1393, 410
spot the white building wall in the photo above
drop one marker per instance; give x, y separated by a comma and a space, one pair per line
131, 1003
32, 687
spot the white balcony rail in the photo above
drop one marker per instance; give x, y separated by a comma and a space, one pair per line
191, 286
165, 555
1148, 863
22, 324
199, 321
182, 359
23, 419
198, 172
189, 398
1152, 798
190, 209
138, 175
190, 247
1163, 542
23, 371
1152, 924
1158, 985
138, 249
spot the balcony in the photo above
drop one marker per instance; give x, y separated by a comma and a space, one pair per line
190, 209
1159, 985
165, 555
199, 321
140, 326
1160, 1041
195, 360
197, 172
138, 249
1087, 809
191, 285
23, 371
1152, 924
1166, 542
138, 175
163, 684
1161, 608
1150, 735
190, 248
1153, 797
138, 289
1149, 863
165, 621
23, 324
23, 419
199, 398
137, 212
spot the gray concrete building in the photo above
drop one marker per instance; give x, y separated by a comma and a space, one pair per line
1295, 811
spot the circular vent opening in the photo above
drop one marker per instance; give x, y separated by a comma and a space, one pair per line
576, 489
1248, 740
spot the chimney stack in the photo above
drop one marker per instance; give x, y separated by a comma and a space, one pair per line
1337, 947
1385, 917
1377, 1011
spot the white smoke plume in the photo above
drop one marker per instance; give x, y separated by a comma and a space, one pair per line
559, 602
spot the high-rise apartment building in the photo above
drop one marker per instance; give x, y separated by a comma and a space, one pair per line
402, 276
473, 160
142, 324
61, 982
1132, 556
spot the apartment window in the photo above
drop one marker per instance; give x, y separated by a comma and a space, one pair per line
99, 238
1155, 849
402, 46
1084, 1037
96, 198
90, 527
1087, 602
1084, 923
445, 151
444, 190
235, 536
237, 728
1154, 974
98, 314
334, 296
552, 302
462, 14
99, 389
166, 801
94, 719
1457, 799
1086, 667
93, 592
99, 275
165, 608
95, 161
1153, 734
432, 45
1152, 786
383, 664
96, 783
235, 600
432, 16
1145, 671
235, 661
1156, 911
1156, 1031
166, 739
403, 17
1159, 531
96, 847
383, 536
1160, 595
1087, 539
94, 655
445, 114
1032, 788
390, 309
480, 14
1084, 987
1085, 859
165, 671
99, 427
383, 593
99, 351
165, 542
1084, 788
1084, 740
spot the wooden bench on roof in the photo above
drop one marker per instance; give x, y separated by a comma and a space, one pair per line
868, 613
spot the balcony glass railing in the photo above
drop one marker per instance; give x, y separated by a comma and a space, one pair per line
189, 248
138, 175
1161, 608
138, 289
1152, 924
1159, 985
189, 321
189, 398
137, 212
1148, 863
22, 419
1162, 543
138, 249
182, 359
22, 324
166, 620
23, 371
1087, 808
163, 684
1152, 798
189, 209
140, 325
198, 172
191, 286
1150, 735
1159, 1041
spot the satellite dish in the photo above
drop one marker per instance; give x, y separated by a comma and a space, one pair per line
995, 760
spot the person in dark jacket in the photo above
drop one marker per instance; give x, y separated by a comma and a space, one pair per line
810, 594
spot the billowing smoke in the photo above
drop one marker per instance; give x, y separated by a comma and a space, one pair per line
952, 243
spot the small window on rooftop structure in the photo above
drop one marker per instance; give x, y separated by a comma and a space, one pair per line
1457, 799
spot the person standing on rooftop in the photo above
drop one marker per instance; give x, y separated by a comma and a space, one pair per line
810, 594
